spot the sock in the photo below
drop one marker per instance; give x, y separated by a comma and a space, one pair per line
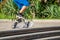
20, 14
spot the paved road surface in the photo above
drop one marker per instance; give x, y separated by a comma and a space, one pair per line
8, 24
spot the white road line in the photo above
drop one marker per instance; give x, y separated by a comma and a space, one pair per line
29, 34
53, 37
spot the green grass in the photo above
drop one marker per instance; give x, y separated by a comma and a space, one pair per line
41, 10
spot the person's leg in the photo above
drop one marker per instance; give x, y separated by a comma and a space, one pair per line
23, 9
20, 15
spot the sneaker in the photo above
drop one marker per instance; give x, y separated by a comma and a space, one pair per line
15, 24
26, 25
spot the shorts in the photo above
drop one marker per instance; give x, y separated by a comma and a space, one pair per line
21, 3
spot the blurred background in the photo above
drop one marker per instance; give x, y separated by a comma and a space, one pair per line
38, 9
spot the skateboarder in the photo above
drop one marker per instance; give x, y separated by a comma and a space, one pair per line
22, 6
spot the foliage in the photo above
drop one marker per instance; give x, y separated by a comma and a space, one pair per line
37, 9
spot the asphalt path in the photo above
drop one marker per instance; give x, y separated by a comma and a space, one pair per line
8, 24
